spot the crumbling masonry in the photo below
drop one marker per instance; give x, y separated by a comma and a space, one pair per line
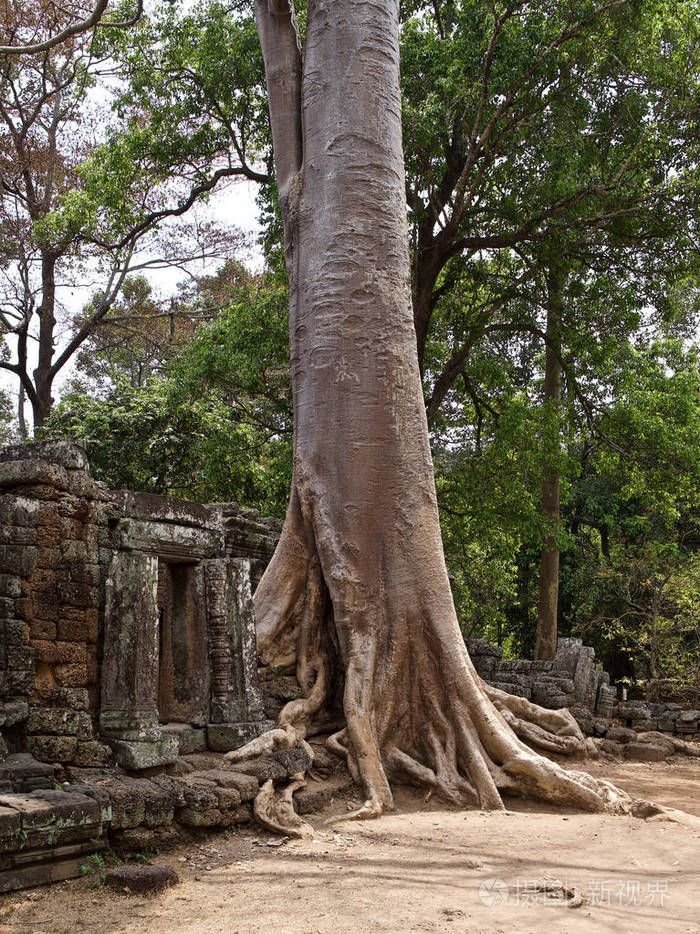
127, 624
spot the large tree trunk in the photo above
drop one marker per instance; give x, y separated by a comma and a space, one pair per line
357, 596
548, 603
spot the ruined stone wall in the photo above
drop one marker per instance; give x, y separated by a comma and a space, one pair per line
574, 680
64, 541
571, 679
51, 512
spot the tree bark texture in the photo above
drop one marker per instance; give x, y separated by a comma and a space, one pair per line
548, 601
357, 596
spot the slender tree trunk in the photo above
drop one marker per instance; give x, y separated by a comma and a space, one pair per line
21, 419
357, 596
548, 600
43, 375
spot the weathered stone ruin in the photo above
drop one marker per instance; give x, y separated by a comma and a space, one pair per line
128, 628
127, 635
574, 680
571, 679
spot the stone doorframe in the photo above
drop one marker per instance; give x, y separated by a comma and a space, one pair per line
129, 716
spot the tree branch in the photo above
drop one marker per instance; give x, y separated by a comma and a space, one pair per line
93, 20
279, 40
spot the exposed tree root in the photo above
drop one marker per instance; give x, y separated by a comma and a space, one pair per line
275, 809
551, 730
395, 665
553, 890
266, 742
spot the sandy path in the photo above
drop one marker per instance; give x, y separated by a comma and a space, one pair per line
418, 870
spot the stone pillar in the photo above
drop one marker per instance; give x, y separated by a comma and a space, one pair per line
237, 707
129, 709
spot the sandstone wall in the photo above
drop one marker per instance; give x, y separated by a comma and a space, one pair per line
60, 534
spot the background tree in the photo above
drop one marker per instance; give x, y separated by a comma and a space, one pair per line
211, 421
74, 203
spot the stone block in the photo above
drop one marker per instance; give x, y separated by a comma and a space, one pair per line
610, 747
548, 694
22, 772
66, 454
60, 653
41, 630
214, 817
74, 676
276, 765
15, 631
646, 752
563, 683
667, 725
585, 720
141, 880
92, 754
31, 472
52, 817
510, 688
16, 538
172, 541
20, 657
10, 585
634, 710
513, 677
224, 737
78, 625
10, 823
74, 698
53, 748
644, 725
144, 755
98, 794
12, 712
189, 739
246, 785
18, 561
567, 655
59, 721
18, 511
137, 801
621, 734
21, 681
605, 701
485, 665
516, 667
153, 507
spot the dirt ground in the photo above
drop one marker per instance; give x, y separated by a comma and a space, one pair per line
424, 868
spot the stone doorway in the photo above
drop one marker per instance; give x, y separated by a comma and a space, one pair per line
183, 672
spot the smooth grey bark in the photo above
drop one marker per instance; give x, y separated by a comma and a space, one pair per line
357, 597
548, 599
